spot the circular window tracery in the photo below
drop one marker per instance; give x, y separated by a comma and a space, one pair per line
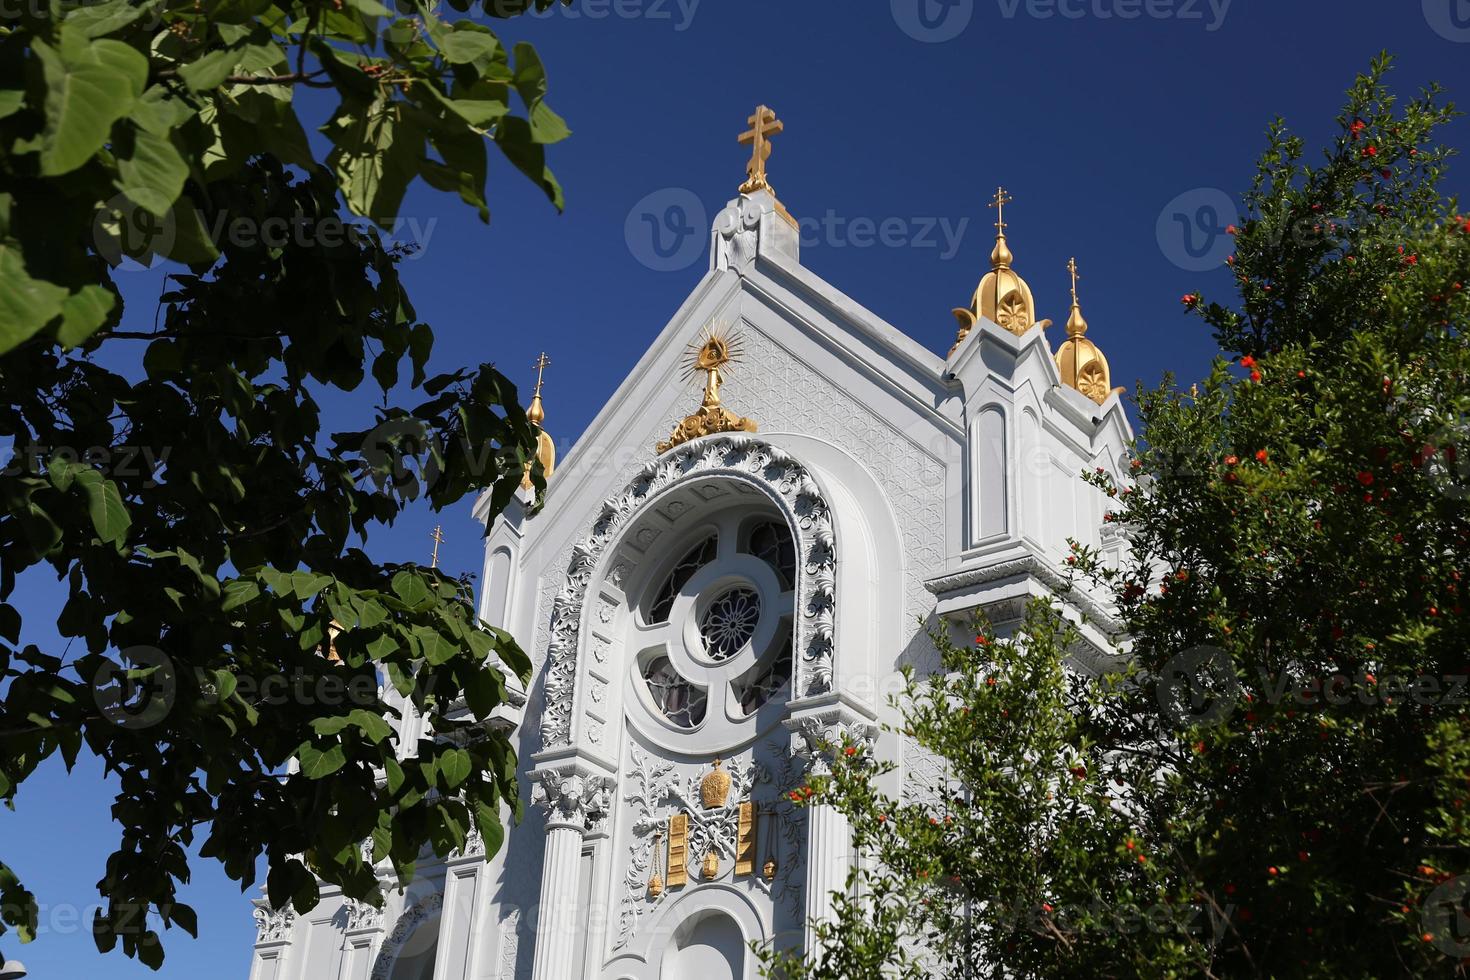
729, 623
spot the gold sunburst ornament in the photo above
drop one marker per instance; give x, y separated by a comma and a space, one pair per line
714, 354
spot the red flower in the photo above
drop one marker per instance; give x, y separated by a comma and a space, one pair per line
1301, 374
850, 751
1231, 460
1232, 230
1256, 376
1079, 771
1466, 227
1247, 361
1371, 150
1357, 127
981, 641
1365, 478
1190, 299
1262, 455
1272, 871
1301, 855
990, 682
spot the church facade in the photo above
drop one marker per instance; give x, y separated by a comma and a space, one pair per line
754, 535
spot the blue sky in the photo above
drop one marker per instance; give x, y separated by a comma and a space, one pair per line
1123, 129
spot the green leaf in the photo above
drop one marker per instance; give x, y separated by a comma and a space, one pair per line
211, 70
468, 42
411, 588
105, 506
455, 767
26, 304
153, 174
433, 647
83, 313
320, 763
10, 101
89, 86
372, 724
237, 592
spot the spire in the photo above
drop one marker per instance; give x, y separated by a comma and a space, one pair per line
1002, 296
536, 413
1076, 325
763, 125
1079, 361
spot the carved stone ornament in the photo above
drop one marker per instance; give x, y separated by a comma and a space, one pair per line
362, 916
737, 236
738, 456
815, 738
573, 796
403, 928
273, 925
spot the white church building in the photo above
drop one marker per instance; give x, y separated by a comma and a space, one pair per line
731, 566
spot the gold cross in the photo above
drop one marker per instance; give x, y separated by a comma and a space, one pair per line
1072, 268
542, 363
438, 537
999, 202
763, 125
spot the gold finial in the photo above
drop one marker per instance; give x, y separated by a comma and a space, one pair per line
763, 125
1076, 325
1002, 296
536, 413
1001, 257
1079, 361
438, 537
717, 349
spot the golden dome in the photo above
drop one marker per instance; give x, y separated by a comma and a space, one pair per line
1002, 297
1079, 361
536, 413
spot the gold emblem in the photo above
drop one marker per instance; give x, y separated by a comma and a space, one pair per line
1079, 361
711, 866
714, 354
714, 789
1002, 296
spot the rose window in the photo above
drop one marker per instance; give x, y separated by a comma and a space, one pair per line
714, 625
729, 623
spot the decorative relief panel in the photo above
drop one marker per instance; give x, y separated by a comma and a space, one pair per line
755, 830
404, 928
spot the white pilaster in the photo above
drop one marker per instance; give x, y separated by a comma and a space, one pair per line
577, 801
818, 733
460, 923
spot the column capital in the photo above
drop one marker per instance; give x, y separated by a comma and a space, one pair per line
573, 795
818, 733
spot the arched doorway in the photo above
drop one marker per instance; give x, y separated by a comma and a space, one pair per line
709, 946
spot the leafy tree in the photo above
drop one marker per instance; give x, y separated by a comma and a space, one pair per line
224, 631
1273, 769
